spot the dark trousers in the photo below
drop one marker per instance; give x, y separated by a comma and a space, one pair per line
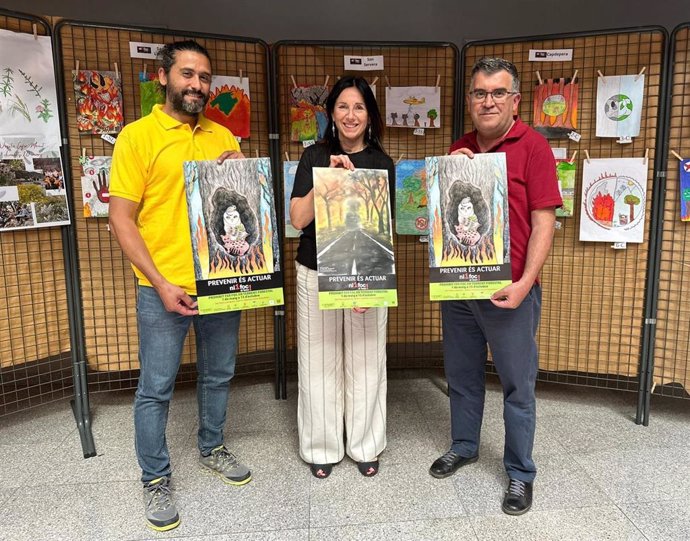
468, 326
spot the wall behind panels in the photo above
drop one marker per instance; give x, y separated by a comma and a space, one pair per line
409, 20
593, 303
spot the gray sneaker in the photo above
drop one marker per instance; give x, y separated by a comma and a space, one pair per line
161, 513
222, 463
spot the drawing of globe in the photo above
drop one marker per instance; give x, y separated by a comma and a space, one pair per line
618, 107
554, 105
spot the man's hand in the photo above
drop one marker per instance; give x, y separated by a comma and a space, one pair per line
175, 299
465, 151
230, 155
358, 310
511, 296
341, 160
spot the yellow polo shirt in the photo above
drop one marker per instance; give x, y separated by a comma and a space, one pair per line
147, 169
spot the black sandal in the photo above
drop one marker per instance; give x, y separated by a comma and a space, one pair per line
321, 471
368, 469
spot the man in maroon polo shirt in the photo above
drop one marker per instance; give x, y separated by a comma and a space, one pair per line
508, 321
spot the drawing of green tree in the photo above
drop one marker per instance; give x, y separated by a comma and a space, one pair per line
432, 115
631, 200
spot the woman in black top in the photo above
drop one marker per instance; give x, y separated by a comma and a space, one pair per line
341, 353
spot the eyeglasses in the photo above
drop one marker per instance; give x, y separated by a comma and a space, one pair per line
499, 95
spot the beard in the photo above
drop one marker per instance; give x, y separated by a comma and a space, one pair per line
181, 106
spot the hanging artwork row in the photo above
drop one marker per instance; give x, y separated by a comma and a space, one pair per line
95, 185
555, 107
150, 92
32, 185
98, 95
308, 118
411, 217
289, 171
229, 104
413, 107
619, 105
685, 190
614, 197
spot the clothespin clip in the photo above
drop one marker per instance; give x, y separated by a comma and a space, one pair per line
676, 155
438, 82
83, 154
76, 65
257, 152
573, 158
572, 80
587, 155
287, 156
600, 74
646, 155
374, 81
641, 72
325, 83
117, 73
541, 82
35, 30
388, 83
145, 72
294, 83
400, 159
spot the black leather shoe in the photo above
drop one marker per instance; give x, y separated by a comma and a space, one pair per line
518, 497
448, 464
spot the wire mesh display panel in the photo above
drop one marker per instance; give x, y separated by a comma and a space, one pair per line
671, 375
108, 284
593, 295
35, 352
414, 327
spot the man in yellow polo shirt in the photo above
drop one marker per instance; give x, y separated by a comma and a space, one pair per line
148, 216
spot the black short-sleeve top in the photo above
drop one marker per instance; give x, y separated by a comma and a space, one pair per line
319, 155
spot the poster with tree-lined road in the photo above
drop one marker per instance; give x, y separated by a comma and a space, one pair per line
354, 238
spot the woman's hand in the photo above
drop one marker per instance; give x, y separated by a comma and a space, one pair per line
358, 310
341, 160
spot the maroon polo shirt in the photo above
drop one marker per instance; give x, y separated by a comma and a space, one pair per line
532, 183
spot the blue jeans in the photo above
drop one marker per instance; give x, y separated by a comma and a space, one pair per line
161, 337
468, 326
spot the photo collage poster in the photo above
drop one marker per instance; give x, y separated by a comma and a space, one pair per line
32, 183
234, 234
354, 238
469, 239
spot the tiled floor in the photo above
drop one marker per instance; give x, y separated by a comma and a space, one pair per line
600, 475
